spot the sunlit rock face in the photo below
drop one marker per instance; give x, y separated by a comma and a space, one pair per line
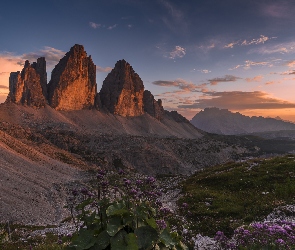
73, 81
122, 91
151, 106
29, 86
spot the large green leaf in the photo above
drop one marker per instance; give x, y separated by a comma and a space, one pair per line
146, 236
102, 241
85, 240
131, 241
117, 209
181, 246
151, 222
118, 241
166, 238
114, 225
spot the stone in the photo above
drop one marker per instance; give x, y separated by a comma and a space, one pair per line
73, 81
151, 106
25, 87
122, 91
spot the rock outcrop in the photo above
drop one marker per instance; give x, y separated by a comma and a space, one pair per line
73, 81
151, 106
29, 86
122, 91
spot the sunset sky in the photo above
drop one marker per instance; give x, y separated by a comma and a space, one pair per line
233, 54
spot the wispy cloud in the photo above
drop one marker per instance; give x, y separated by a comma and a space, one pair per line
270, 82
254, 79
279, 9
112, 26
282, 48
177, 52
101, 69
175, 18
248, 64
205, 48
51, 55
226, 78
94, 25
290, 64
205, 71
238, 100
230, 45
179, 83
262, 39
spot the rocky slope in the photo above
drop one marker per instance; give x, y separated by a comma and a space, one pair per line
44, 152
222, 121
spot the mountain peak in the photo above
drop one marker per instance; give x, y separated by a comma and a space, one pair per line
73, 81
222, 121
122, 91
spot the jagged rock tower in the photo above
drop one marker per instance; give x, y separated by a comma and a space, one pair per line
73, 81
29, 86
122, 91
151, 106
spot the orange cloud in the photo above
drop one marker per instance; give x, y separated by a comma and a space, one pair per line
269, 83
254, 79
239, 100
226, 78
182, 84
290, 64
101, 69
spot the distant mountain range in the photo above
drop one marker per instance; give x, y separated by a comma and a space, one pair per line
222, 121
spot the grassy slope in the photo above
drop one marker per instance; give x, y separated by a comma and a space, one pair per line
226, 196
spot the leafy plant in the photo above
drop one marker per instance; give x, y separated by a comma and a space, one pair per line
123, 215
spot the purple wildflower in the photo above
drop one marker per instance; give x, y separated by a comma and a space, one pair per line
161, 224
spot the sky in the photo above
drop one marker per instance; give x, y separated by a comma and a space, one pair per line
231, 54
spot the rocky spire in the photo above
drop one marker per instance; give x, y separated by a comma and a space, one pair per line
151, 106
122, 91
26, 87
73, 81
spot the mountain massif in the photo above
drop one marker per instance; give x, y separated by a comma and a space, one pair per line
54, 136
222, 121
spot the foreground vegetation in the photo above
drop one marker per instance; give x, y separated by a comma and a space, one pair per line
225, 197
118, 211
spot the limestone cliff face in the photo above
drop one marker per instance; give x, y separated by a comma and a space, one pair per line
73, 81
40, 67
29, 86
122, 91
151, 106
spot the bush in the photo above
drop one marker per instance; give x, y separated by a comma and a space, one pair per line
124, 214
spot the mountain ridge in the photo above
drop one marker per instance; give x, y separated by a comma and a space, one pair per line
223, 121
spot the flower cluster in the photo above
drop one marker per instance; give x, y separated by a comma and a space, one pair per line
278, 235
